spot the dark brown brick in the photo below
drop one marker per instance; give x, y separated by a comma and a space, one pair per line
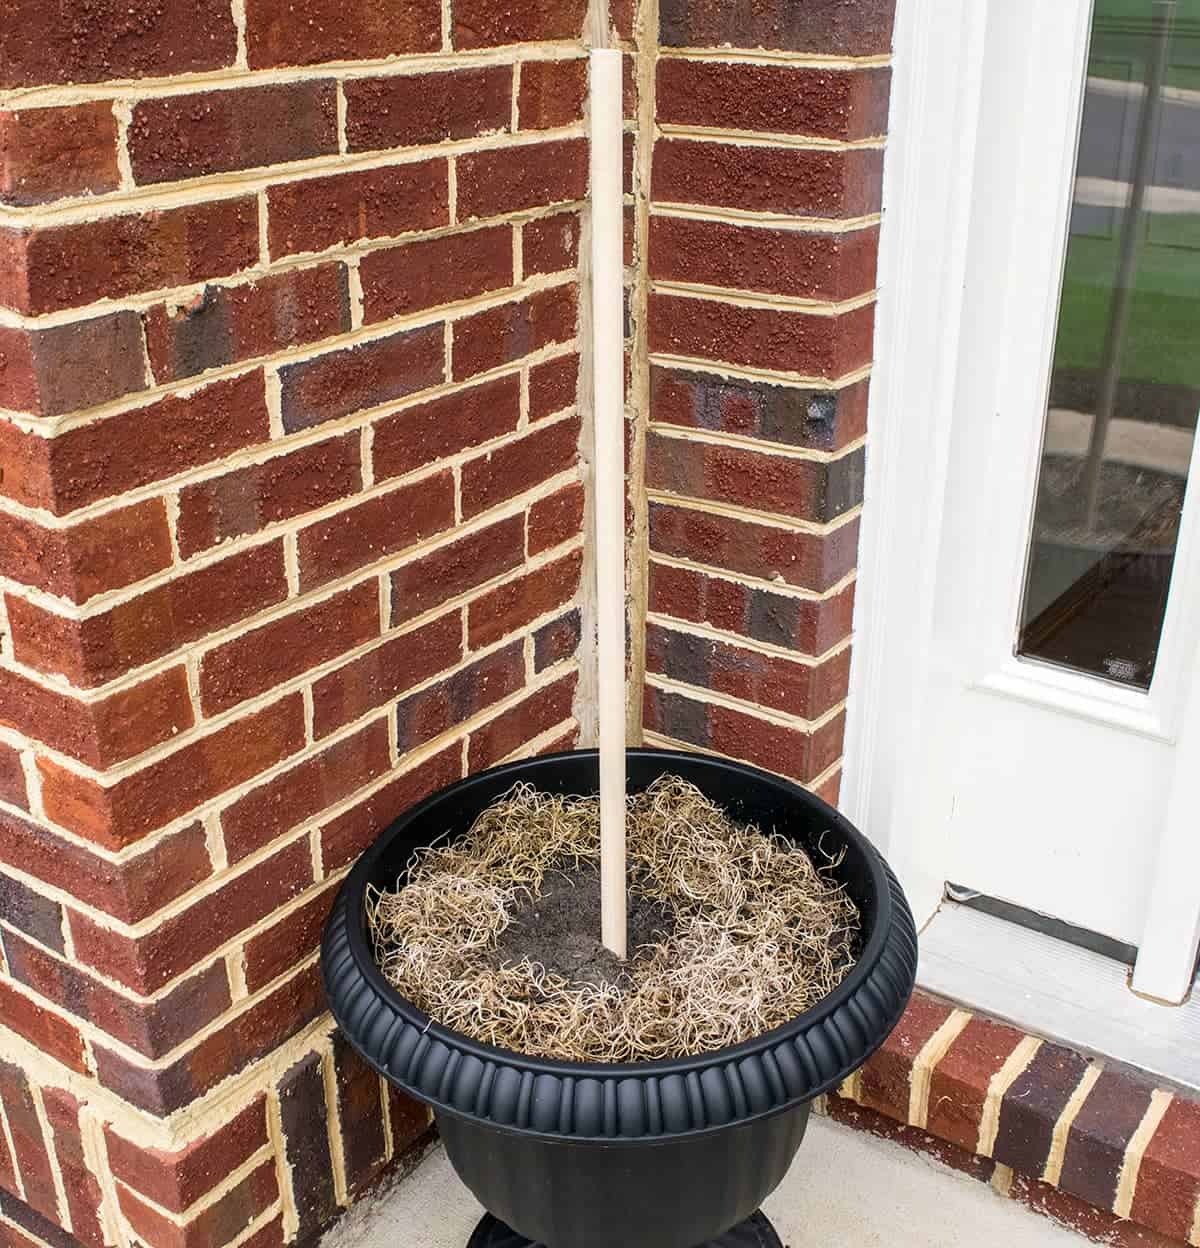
124, 812
784, 262
511, 606
80, 1185
805, 560
404, 110
419, 435
68, 266
268, 656
306, 1142
248, 499
507, 733
362, 376
346, 836
130, 890
47, 1031
556, 641
29, 912
482, 23
782, 340
178, 1178
450, 702
822, 26
292, 940
847, 104
108, 552
50, 153
1033, 1104
1168, 1180
360, 1114
384, 673
551, 244
227, 324
44, 44
556, 518
304, 790
553, 386
1099, 1136
513, 179
316, 213
518, 466
381, 526
29, 1142
305, 32
97, 649
823, 420
551, 93
804, 182
503, 335
456, 568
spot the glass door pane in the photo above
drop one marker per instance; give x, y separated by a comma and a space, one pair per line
1125, 384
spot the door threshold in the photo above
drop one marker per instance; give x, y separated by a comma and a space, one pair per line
1058, 990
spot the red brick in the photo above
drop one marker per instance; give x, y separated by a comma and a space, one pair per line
187, 136
145, 963
551, 93
305, 32
553, 386
248, 499
830, 790
79, 1184
511, 606
138, 447
1078, 1216
50, 153
398, 281
41, 43
823, 419
767, 680
367, 375
455, 568
827, 27
99, 733
228, 324
518, 466
409, 1120
1099, 1136
50, 1033
26, 459
503, 335
316, 213
784, 340
150, 1027
97, 649
292, 940
10, 1182
408, 109
556, 641
29, 1142
623, 15
482, 23
507, 733
268, 656
419, 435
130, 890
384, 673
783, 262
177, 1179
66, 368
512, 179
551, 244
68, 266
805, 560
376, 528
1032, 1106
804, 182
1168, 1181
124, 812
959, 1084
304, 790
346, 836
216, 1224
107, 552
885, 1079
12, 785
556, 519
360, 1115
847, 104
427, 714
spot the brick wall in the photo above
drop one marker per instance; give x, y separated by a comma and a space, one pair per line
290, 534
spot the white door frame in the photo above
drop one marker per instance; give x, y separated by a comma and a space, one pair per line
929, 202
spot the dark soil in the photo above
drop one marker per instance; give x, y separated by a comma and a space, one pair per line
561, 929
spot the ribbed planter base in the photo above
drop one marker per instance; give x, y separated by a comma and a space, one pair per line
755, 1232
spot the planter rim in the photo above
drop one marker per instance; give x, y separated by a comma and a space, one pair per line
614, 1101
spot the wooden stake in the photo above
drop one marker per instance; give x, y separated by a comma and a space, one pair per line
608, 341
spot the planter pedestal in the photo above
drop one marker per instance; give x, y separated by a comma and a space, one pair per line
755, 1232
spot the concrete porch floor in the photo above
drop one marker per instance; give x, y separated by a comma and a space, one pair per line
847, 1188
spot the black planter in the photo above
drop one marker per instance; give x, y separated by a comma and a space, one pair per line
664, 1154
